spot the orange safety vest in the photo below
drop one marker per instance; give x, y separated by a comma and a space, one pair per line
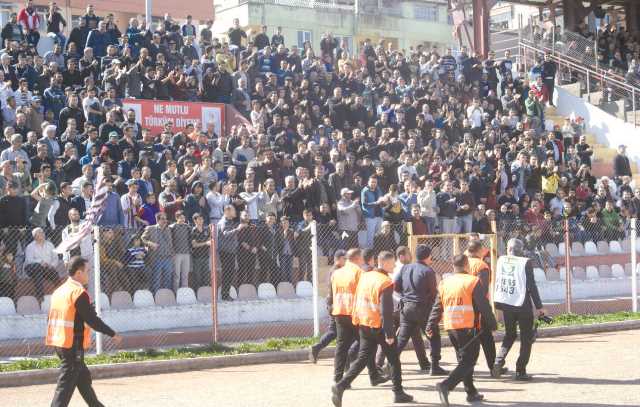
367, 311
456, 295
344, 282
62, 315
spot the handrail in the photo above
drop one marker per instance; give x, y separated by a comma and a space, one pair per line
567, 59
603, 75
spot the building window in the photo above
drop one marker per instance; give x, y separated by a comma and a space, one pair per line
303, 36
348, 40
426, 13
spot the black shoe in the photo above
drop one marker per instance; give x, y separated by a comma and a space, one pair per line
498, 370
443, 392
425, 367
402, 397
523, 377
336, 395
436, 370
379, 379
474, 397
313, 355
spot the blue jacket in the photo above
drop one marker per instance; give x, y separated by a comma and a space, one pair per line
99, 42
54, 100
369, 208
112, 215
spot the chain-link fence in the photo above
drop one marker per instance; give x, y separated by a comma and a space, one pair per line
271, 277
582, 265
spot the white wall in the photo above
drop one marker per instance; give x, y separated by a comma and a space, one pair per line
609, 130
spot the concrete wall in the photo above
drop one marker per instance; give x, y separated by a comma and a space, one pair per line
609, 130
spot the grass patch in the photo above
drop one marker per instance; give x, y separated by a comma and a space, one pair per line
274, 344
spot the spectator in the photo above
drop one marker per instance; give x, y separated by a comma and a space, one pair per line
30, 21
85, 248
228, 229
169, 200
8, 277
13, 208
12, 31
180, 234
158, 239
200, 247
40, 262
54, 21
112, 214
371, 200
621, 166
447, 208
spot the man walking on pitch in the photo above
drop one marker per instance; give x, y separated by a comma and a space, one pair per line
515, 291
462, 304
373, 314
70, 317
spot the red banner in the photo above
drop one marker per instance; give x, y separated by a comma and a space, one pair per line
154, 114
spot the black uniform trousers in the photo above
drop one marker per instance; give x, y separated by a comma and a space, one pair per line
347, 343
512, 321
330, 335
370, 338
488, 347
466, 357
73, 373
413, 319
551, 85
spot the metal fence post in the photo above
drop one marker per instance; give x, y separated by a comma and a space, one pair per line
213, 251
633, 106
588, 87
314, 278
553, 40
567, 265
634, 266
96, 283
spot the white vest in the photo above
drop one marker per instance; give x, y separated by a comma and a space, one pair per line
510, 281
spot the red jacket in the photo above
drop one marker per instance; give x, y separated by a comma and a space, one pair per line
29, 21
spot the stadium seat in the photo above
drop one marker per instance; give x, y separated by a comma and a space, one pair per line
286, 290
186, 296
232, 293
266, 291
603, 247
6, 306
561, 249
142, 298
577, 249
626, 246
552, 249
304, 289
604, 271
165, 298
539, 275
563, 273
104, 301
247, 292
121, 300
553, 275
627, 269
592, 273
27, 305
579, 273
590, 249
204, 295
617, 271
615, 247
46, 304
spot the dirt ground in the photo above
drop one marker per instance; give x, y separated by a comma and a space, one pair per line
599, 370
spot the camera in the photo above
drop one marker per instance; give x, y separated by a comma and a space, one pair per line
546, 319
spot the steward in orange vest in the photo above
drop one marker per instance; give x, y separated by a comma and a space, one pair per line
480, 269
71, 318
460, 304
344, 282
373, 313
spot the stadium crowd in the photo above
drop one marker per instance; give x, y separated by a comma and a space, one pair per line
357, 142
